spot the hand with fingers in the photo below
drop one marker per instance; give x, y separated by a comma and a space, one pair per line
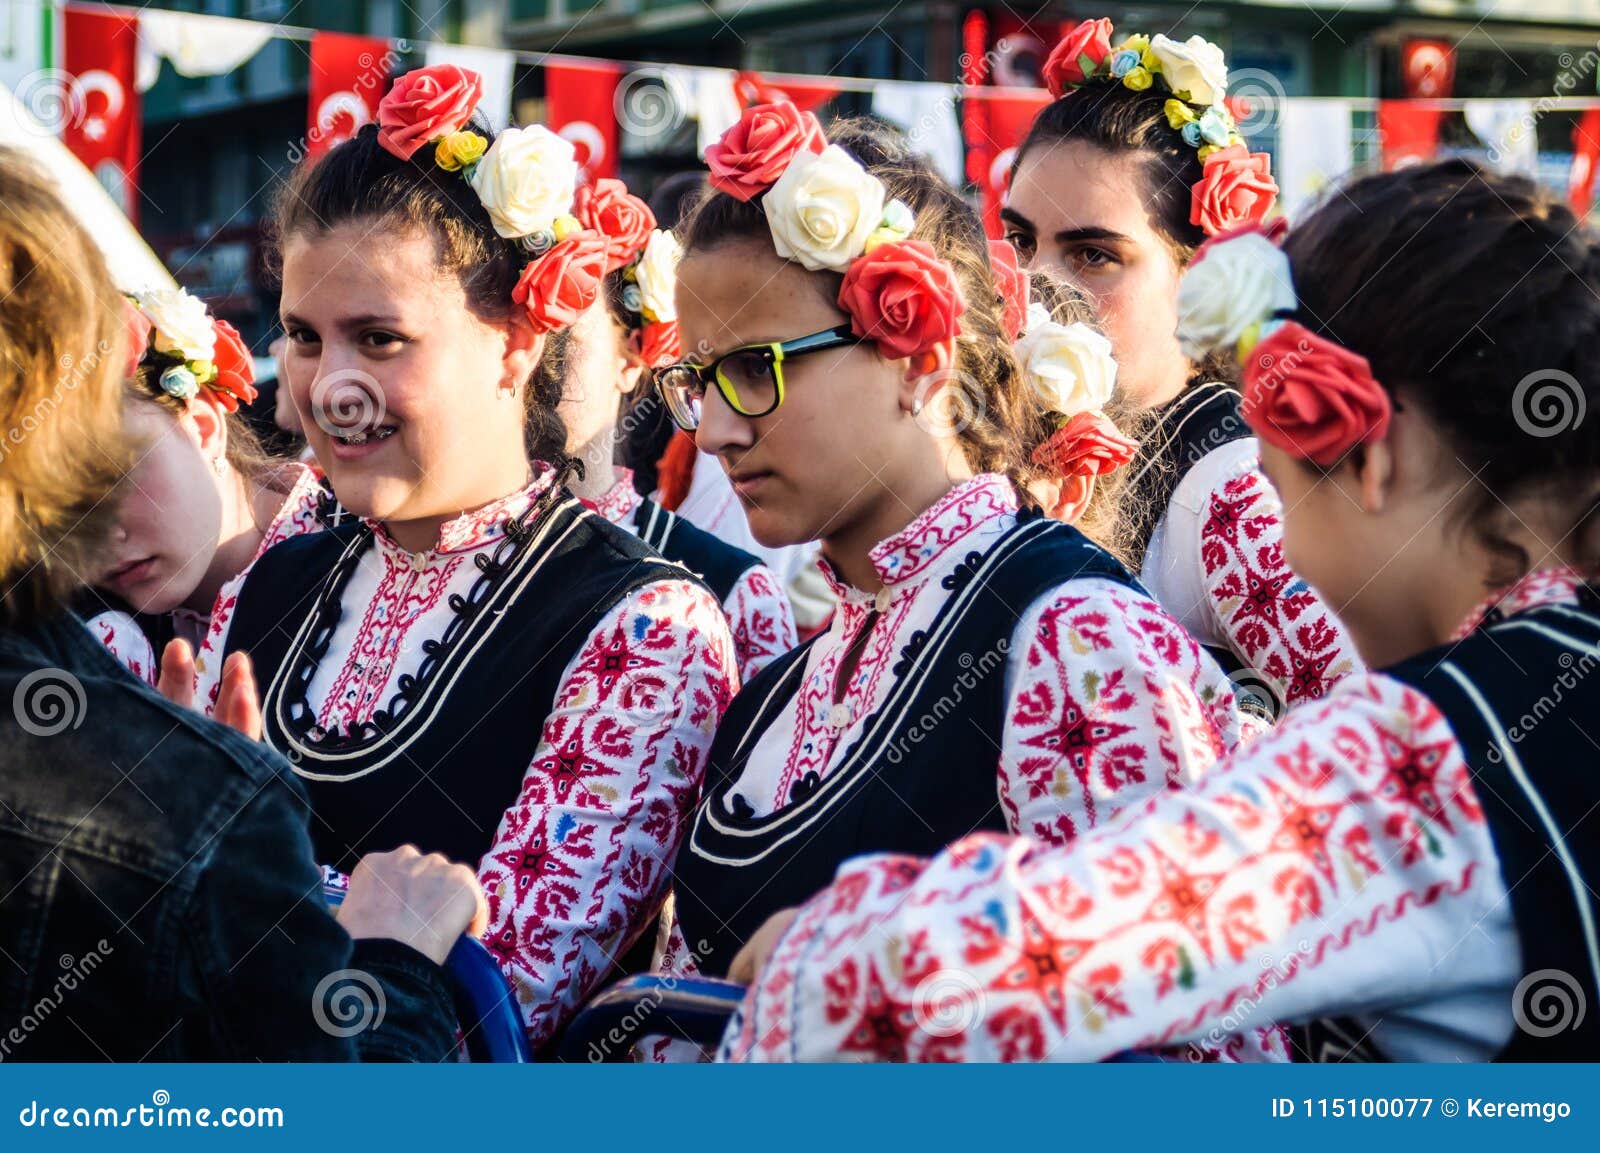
238, 698
426, 902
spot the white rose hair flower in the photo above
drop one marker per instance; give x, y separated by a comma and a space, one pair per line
182, 325
1194, 69
657, 273
526, 180
1069, 366
823, 208
1233, 285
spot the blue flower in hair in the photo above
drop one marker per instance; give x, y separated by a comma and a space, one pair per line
1123, 62
1191, 134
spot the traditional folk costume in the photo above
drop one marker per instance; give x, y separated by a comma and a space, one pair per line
1394, 869
996, 639
752, 598
1398, 868
534, 694
1210, 540
1009, 675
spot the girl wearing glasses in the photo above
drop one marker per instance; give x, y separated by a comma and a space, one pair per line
473, 663
989, 668
610, 351
1404, 868
1146, 115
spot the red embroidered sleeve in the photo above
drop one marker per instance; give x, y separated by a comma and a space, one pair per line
580, 862
1110, 701
1272, 618
1328, 868
763, 623
126, 641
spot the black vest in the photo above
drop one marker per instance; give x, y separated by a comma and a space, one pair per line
440, 764
921, 774
1519, 694
717, 562
1199, 421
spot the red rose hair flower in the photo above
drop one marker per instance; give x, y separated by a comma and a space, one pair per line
1310, 397
902, 296
658, 343
561, 285
621, 218
1087, 445
424, 105
1012, 281
753, 153
236, 369
1075, 59
1236, 189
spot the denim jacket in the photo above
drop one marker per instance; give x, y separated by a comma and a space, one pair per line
158, 898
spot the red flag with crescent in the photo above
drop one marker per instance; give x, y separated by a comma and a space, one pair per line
581, 106
101, 123
349, 75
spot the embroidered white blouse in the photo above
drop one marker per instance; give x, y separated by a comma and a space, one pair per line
1338, 865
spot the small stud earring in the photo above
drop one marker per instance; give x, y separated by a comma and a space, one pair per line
916, 407
220, 465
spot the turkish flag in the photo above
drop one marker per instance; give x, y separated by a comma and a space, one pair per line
581, 106
1585, 155
1428, 69
102, 125
1409, 131
805, 94
349, 75
995, 126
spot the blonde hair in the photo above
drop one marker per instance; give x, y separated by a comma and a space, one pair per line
63, 346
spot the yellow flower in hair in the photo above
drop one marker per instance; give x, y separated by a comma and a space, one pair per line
1247, 341
565, 226
1139, 44
456, 150
205, 371
1178, 114
1206, 150
1138, 79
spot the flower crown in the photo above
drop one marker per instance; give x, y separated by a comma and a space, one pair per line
1302, 393
1071, 371
646, 256
172, 331
1236, 187
526, 180
827, 212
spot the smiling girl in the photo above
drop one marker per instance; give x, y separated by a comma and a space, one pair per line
475, 663
1145, 116
1404, 869
988, 667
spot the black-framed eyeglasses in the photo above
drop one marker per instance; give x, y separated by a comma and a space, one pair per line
750, 379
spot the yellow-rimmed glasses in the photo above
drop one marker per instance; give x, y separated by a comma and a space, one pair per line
750, 379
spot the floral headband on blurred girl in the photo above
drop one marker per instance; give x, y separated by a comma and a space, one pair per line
1072, 373
827, 212
1237, 186
187, 350
1302, 393
526, 179
647, 257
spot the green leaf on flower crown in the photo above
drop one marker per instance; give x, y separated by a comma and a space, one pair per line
1086, 65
